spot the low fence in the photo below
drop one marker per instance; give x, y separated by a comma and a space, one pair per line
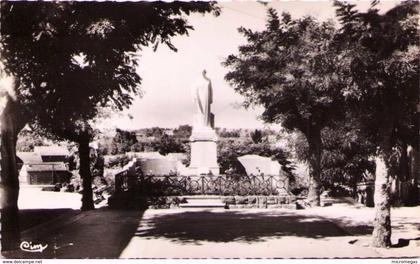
402, 193
201, 184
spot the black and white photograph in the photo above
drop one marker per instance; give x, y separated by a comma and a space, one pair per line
231, 130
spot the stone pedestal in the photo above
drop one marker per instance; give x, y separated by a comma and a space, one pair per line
204, 152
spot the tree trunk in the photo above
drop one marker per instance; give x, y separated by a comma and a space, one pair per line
381, 236
314, 142
402, 177
85, 174
414, 175
11, 123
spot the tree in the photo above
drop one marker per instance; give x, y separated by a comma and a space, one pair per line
229, 151
11, 124
124, 140
27, 140
382, 57
183, 132
71, 59
346, 156
167, 144
346, 160
256, 136
233, 133
154, 132
290, 69
137, 147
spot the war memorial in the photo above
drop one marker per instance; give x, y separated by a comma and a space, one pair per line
200, 184
195, 130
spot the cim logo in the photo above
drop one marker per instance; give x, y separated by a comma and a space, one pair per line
30, 247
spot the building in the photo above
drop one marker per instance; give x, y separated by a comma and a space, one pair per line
46, 165
45, 173
52, 153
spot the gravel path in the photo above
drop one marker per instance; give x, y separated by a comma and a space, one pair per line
337, 231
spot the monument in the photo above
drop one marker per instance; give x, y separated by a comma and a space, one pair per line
203, 138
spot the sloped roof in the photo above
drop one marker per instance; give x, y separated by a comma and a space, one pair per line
29, 157
46, 166
54, 150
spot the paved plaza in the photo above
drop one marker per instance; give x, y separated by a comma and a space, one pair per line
338, 231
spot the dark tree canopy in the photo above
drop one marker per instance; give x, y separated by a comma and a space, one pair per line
76, 57
229, 151
382, 55
183, 131
346, 158
123, 140
72, 59
167, 144
289, 68
256, 136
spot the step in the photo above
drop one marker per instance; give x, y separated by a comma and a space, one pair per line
202, 197
203, 203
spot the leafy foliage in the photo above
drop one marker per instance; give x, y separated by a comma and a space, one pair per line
27, 140
228, 133
167, 144
183, 132
289, 68
346, 158
72, 58
229, 151
123, 141
154, 132
382, 58
382, 55
256, 136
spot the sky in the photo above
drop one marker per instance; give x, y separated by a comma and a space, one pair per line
167, 76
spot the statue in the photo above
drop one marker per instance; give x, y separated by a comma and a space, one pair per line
203, 98
203, 136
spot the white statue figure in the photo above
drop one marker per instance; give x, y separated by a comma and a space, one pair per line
203, 137
203, 98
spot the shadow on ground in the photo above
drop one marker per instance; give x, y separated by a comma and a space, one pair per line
101, 233
228, 226
404, 242
29, 218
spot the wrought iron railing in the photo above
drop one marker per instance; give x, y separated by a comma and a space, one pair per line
201, 184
